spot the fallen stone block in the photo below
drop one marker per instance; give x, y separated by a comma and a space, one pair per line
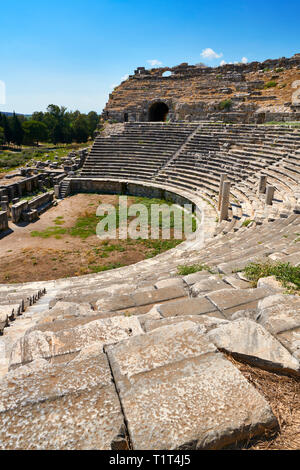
250, 342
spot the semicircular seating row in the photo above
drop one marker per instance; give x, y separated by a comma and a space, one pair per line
192, 156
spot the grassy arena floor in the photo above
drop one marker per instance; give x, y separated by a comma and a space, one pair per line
63, 243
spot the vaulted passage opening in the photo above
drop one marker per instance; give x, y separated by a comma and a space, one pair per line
158, 112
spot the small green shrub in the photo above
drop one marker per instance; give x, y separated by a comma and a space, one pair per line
184, 270
225, 105
288, 275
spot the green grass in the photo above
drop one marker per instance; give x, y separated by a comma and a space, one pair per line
270, 84
158, 246
49, 232
106, 267
10, 159
247, 222
288, 275
184, 270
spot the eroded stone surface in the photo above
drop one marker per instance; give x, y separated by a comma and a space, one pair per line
66, 406
178, 392
250, 341
195, 306
48, 344
204, 321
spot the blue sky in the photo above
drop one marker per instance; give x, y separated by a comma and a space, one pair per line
72, 52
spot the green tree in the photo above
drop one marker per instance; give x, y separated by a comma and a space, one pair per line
34, 131
81, 129
7, 130
2, 136
17, 130
93, 120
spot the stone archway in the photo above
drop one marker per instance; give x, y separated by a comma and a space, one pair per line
158, 112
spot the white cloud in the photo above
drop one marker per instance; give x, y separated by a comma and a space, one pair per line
124, 77
223, 62
210, 54
113, 86
154, 62
244, 60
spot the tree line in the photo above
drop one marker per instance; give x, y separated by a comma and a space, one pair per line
56, 125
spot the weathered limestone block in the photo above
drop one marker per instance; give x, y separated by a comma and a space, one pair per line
210, 284
171, 282
48, 344
280, 314
195, 306
230, 301
270, 283
249, 341
73, 406
178, 392
120, 302
65, 310
191, 279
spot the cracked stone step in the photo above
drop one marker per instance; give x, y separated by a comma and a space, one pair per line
68, 406
229, 301
37, 344
178, 392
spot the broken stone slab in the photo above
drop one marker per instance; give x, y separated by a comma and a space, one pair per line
182, 394
230, 301
236, 282
152, 315
248, 341
190, 306
278, 313
270, 283
48, 344
210, 284
204, 321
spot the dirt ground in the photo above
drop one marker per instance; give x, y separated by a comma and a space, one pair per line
25, 258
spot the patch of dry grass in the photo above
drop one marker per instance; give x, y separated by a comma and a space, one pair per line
283, 394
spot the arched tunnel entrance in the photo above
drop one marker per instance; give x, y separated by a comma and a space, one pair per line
158, 112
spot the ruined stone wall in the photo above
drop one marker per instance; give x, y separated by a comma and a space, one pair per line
230, 93
3, 221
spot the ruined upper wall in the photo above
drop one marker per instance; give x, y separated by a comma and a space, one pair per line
197, 92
